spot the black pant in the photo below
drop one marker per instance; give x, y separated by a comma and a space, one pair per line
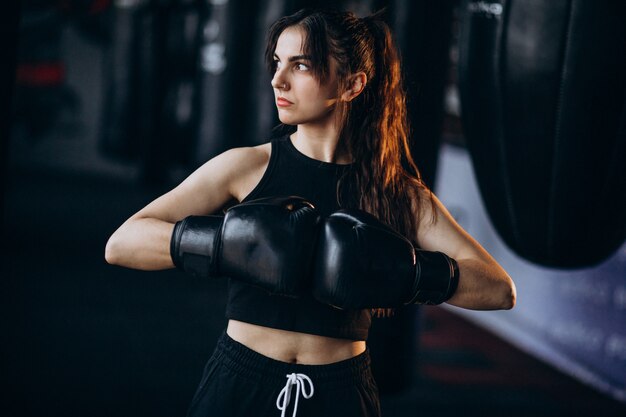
238, 381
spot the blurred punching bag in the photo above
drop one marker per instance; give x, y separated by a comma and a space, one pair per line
179, 110
224, 76
150, 105
422, 30
543, 88
119, 139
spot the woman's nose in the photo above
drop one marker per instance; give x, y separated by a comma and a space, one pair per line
279, 82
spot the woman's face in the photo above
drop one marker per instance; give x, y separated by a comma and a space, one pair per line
300, 97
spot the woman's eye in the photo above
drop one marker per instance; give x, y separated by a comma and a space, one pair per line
302, 67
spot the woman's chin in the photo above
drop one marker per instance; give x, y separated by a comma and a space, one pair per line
288, 121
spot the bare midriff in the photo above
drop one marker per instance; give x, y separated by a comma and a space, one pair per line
293, 347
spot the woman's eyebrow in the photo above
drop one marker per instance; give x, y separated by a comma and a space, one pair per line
296, 57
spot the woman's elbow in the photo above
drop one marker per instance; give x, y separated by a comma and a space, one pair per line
508, 296
112, 251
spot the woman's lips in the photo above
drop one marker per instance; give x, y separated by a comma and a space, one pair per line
283, 102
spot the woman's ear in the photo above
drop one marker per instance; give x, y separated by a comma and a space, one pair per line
356, 85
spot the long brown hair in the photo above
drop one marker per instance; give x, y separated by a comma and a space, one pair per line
374, 126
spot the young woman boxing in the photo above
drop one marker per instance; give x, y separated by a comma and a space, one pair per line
331, 222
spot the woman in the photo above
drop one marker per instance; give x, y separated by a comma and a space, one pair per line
337, 83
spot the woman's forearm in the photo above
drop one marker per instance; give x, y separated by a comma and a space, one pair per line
141, 243
483, 286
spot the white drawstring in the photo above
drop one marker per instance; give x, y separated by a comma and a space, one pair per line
282, 402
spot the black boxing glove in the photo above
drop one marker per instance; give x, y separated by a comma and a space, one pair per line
362, 263
194, 243
268, 242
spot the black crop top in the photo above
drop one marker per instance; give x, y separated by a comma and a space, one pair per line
290, 172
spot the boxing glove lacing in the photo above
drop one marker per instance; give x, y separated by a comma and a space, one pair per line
284, 398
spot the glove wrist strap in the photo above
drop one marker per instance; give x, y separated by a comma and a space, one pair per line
436, 278
194, 244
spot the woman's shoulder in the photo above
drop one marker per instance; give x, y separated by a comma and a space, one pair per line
246, 166
248, 156
235, 162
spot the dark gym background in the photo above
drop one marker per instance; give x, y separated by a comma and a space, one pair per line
100, 115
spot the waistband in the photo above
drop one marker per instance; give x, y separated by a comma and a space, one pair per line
246, 362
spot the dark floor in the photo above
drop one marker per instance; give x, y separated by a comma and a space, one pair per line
86, 339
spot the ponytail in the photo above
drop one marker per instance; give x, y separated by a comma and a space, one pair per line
384, 176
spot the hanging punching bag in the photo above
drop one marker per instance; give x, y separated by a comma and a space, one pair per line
135, 85
543, 88
179, 109
118, 139
223, 76
422, 31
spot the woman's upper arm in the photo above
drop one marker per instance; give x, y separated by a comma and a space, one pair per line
444, 234
207, 189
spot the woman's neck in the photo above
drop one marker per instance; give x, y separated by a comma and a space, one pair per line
320, 144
